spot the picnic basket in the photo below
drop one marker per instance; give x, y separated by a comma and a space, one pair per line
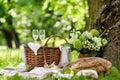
45, 54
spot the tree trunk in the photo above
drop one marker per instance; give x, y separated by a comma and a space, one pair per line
104, 15
15, 38
12, 31
11, 36
8, 37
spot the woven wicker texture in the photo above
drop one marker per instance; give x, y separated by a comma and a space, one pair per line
45, 54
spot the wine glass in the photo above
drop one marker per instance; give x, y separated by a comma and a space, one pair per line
35, 34
42, 34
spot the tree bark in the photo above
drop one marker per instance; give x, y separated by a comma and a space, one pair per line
15, 38
104, 15
12, 31
8, 38
10, 35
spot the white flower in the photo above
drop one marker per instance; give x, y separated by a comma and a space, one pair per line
87, 35
97, 41
88, 40
74, 36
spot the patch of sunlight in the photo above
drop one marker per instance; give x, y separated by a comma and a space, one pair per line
3, 47
9, 57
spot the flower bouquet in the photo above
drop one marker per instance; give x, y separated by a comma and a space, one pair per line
86, 42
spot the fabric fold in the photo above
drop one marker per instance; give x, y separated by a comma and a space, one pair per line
34, 47
64, 59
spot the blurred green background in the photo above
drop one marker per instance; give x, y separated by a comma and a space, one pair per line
57, 17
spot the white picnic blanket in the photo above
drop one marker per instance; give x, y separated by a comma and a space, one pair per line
37, 72
41, 72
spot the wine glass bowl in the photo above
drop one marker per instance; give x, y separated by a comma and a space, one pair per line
35, 34
42, 34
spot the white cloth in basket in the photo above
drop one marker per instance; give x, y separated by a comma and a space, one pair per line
64, 59
34, 47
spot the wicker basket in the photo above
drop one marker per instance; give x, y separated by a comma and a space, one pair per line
45, 54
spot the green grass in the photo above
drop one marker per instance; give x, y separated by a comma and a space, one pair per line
11, 57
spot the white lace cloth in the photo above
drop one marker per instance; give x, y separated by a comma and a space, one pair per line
34, 47
41, 72
37, 72
88, 72
64, 59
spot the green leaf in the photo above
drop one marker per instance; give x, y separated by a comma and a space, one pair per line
68, 70
95, 32
93, 53
74, 55
77, 44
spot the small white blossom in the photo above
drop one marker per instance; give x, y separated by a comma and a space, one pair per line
74, 35
104, 42
97, 41
86, 34
88, 41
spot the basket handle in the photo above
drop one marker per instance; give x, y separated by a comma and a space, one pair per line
45, 61
52, 37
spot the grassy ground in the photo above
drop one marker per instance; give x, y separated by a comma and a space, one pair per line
11, 57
